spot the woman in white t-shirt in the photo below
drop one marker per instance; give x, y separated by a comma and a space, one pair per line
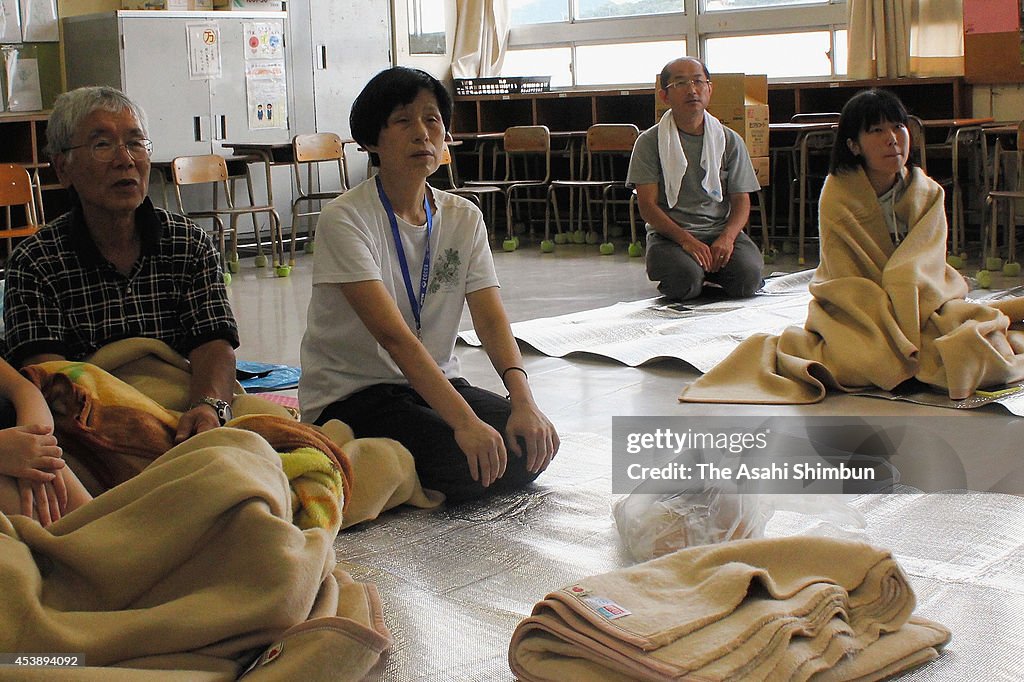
395, 262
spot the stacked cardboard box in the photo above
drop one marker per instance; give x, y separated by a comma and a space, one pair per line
740, 101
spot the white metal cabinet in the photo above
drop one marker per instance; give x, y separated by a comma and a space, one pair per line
350, 43
146, 55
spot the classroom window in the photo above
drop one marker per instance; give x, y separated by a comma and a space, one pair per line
625, 62
721, 5
595, 9
526, 12
552, 61
779, 55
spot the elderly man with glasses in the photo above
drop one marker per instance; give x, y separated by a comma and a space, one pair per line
693, 177
115, 266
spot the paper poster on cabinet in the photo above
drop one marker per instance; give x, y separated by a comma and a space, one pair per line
39, 21
204, 51
10, 22
266, 90
263, 40
21, 73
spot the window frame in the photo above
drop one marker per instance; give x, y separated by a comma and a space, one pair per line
692, 24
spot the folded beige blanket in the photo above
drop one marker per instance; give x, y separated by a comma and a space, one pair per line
880, 314
768, 609
190, 569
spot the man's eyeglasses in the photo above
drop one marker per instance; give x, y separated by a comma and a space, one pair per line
699, 83
104, 150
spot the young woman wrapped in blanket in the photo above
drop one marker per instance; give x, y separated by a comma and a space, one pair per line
886, 307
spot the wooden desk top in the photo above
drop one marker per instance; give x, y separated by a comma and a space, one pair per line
955, 122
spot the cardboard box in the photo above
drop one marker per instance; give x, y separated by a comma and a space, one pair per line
751, 122
171, 5
740, 101
762, 170
248, 5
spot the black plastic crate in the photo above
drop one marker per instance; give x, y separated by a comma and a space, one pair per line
502, 85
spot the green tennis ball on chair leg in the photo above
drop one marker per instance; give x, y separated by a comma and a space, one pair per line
561, 238
592, 238
547, 246
606, 249
984, 279
635, 250
955, 261
260, 261
509, 245
993, 263
282, 270
1011, 269
227, 278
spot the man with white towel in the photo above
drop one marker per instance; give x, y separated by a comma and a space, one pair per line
693, 177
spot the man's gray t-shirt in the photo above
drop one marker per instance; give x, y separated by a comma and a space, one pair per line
695, 210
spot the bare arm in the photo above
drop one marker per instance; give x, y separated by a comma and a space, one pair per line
653, 215
526, 421
213, 375
482, 445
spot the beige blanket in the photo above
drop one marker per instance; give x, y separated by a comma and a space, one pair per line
770, 609
189, 570
881, 313
384, 468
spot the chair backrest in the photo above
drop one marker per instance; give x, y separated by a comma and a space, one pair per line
612, 137
917, 142
194, 170
825, 117
16, 190
609, 146
524, 144
312, 149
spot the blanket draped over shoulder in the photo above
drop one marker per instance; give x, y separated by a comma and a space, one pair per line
881, 313
781, 609
112, 421
189, 571
115, 431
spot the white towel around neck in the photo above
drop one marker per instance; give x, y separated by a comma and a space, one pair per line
673, 160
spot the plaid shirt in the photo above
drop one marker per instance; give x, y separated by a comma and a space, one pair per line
63, 297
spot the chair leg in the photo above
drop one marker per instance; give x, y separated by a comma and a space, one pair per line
260, 259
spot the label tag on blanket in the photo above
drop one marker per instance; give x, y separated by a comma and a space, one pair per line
605, 607
268, 656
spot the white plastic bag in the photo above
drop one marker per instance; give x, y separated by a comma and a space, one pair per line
653, 524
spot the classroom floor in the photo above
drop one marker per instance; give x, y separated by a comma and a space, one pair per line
456, 581
582, 393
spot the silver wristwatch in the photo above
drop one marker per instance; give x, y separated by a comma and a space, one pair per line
222, 407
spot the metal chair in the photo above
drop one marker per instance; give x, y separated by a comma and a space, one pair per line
609, 146
317, 152
960, 143
527, 167
16, 190
1010, 197
212, 169
475, 193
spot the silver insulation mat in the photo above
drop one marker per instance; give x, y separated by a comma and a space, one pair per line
455, 582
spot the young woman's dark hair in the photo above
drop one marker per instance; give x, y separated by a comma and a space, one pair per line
863, 110
391, 88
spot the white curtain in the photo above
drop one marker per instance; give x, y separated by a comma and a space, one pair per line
897, 38
481, 37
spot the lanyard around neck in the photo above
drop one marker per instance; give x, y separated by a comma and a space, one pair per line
414, 303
